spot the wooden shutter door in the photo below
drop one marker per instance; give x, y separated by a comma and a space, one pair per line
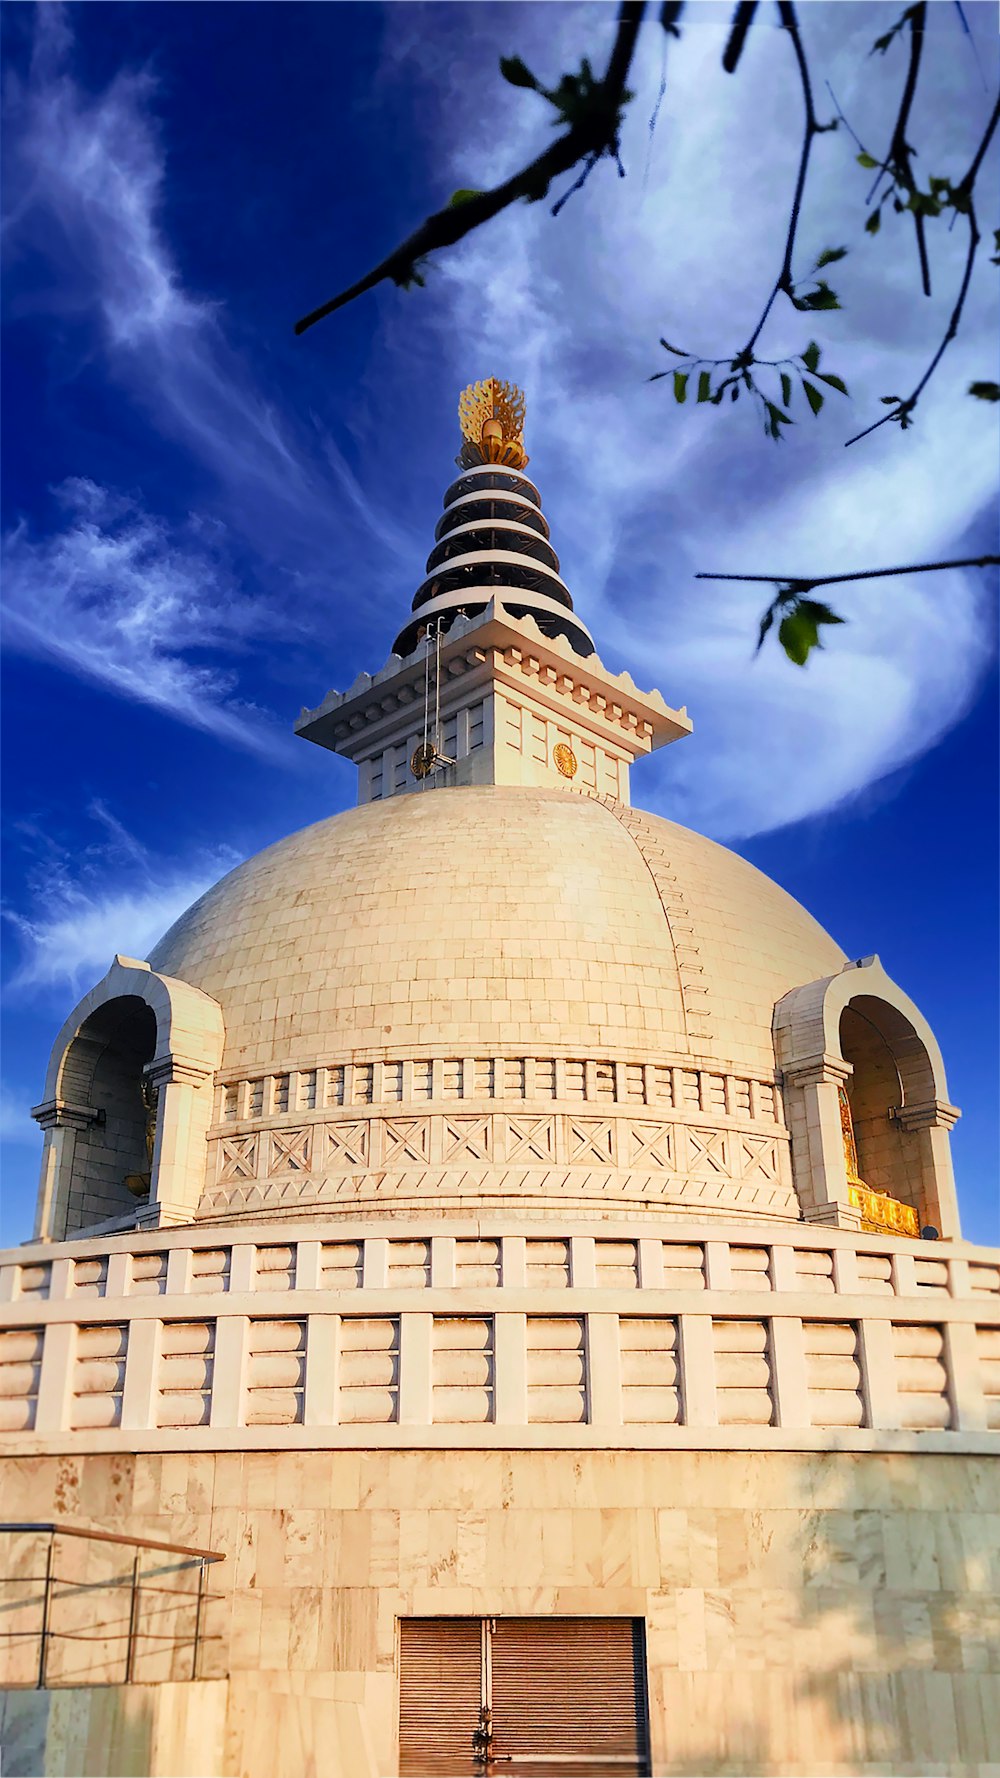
440, 1692
569, 1697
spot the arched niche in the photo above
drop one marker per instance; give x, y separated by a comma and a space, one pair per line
856, 1037
128, 1103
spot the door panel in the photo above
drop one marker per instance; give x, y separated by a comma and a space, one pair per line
440, 1693
568, 1697
551, 1698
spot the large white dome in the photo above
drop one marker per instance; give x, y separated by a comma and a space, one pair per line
496, 920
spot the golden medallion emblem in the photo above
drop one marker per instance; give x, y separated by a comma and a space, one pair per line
422, 759
565, 760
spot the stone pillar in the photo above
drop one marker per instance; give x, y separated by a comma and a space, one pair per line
812, 1108
930, 1125
180, 1154
62, 1124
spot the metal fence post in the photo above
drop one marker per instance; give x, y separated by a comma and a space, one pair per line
197, 1619
133, 1620
46, 1607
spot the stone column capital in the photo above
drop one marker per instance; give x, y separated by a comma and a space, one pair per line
59, 1114
167, 1069
816, 1070
932, 1114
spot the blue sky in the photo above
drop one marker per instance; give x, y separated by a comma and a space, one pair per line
207, 522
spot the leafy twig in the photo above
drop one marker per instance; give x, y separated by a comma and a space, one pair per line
900, 411
742, 362
848, 127
802, 617
959, 198
592, 132
808, 583
742, 371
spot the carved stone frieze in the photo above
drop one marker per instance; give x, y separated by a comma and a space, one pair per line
427, 1188
400, 1144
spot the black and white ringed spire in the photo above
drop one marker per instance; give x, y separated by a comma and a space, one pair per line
492, 540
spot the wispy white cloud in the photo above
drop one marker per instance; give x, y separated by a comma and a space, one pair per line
642, 493
116, 598
106, 896
86, 175
119, 596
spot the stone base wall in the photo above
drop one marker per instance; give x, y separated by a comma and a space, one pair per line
806, 1613
120, 1731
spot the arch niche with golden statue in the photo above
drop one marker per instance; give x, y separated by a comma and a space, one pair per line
867, 1105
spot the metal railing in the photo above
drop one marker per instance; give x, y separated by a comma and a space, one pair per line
79, 1592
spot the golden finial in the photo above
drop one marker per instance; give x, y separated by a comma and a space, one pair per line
491, 415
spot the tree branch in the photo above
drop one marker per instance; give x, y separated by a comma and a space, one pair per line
904, 409
593, 135
969, 178
783, 281
800, 617
803, 584
898, 156
962, 199
742, 20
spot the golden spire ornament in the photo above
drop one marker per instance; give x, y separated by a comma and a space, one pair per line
491, 415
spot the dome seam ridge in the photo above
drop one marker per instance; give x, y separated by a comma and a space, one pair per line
631, 821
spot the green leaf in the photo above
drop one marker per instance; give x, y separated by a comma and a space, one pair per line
829, 254
704, 385
786, 387
680, 385
864, 160
874, 223
667, 347
513, 70
834, 382
776, 419
810, 356
890, 400
798, 631
985, 391
462, 196
821, 298
813, 396
798, 634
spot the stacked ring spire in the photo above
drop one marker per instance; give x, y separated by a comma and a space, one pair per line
492, 540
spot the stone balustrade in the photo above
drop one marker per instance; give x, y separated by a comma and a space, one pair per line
185, 1339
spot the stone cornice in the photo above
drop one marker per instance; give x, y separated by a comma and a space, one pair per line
934, 1114
59, 1114
496, 646
816, 1069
